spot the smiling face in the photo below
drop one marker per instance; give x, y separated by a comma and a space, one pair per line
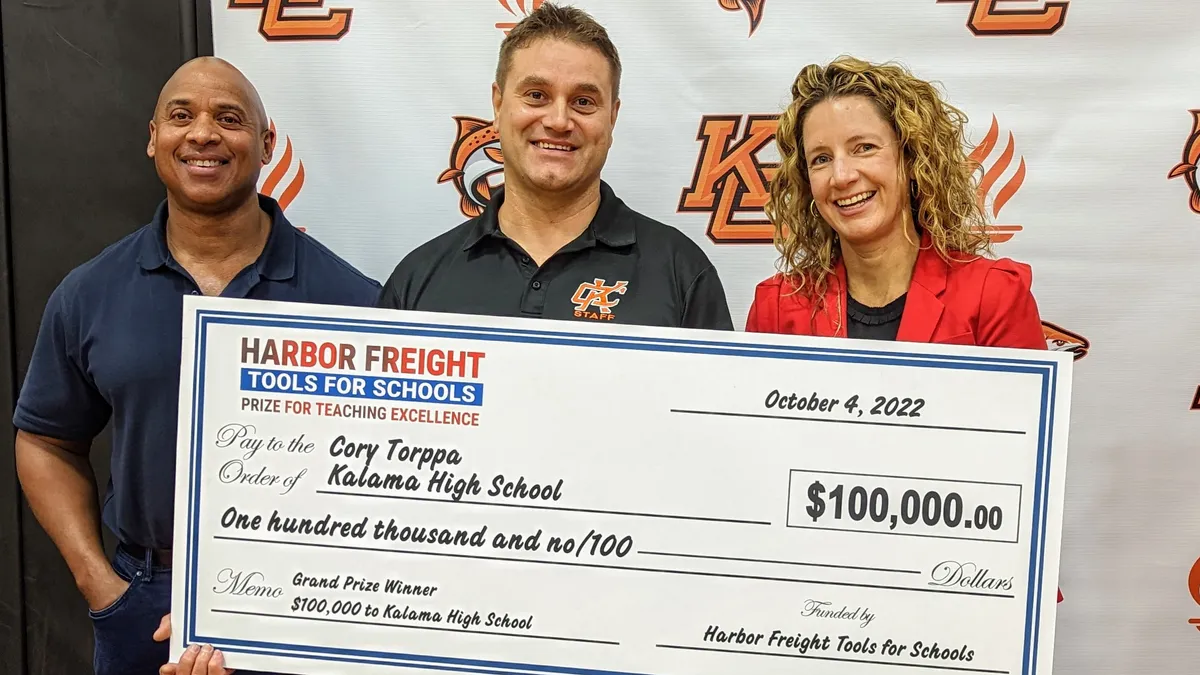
855, 170
209, 137
555, 115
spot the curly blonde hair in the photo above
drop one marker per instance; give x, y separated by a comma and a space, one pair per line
935, 153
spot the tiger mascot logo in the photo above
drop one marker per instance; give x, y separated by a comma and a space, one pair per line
1187, 166
1059, 339
475, 164
754, 8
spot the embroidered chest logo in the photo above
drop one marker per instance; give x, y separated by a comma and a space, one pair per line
600, 296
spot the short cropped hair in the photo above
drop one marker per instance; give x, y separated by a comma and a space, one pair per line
562, 23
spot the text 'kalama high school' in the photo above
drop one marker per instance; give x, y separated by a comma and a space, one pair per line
376, 358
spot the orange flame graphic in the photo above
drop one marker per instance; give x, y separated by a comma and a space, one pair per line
998, 233
281, 168
526, 6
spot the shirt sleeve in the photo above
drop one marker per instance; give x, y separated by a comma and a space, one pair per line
1008, 312
59, 398
369, 294
392, 295
705, 305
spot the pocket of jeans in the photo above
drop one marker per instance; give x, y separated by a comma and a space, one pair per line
116, 605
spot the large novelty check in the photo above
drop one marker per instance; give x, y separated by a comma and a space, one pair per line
364, 491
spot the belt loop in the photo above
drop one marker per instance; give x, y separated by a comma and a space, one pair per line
149, 563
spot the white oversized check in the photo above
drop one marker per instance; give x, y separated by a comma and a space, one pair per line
366, 491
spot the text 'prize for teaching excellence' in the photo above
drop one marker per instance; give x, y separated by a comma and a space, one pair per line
372, 491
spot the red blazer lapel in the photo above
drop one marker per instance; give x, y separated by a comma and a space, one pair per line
925, 317
831, 320
923, 308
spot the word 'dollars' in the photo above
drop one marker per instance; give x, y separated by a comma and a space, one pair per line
375, 358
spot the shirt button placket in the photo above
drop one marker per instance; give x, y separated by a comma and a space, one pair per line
534, 301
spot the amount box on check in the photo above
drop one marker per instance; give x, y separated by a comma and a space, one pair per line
905, 505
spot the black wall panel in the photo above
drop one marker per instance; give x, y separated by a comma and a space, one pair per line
80, 78
12, 604
203, 45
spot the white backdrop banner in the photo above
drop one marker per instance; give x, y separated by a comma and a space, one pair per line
1085, 114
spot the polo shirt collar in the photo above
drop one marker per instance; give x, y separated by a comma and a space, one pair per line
277, 261
613, 224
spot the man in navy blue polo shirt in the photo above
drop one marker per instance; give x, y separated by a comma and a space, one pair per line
108, 350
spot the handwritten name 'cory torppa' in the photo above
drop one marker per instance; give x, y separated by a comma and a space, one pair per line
375, 358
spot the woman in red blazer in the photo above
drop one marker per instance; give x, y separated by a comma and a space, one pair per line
877, 220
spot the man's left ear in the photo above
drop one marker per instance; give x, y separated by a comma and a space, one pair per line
268, 140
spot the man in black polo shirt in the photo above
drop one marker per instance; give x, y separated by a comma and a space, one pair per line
109, 350
555, 242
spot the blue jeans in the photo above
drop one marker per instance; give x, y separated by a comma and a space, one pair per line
124, 631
